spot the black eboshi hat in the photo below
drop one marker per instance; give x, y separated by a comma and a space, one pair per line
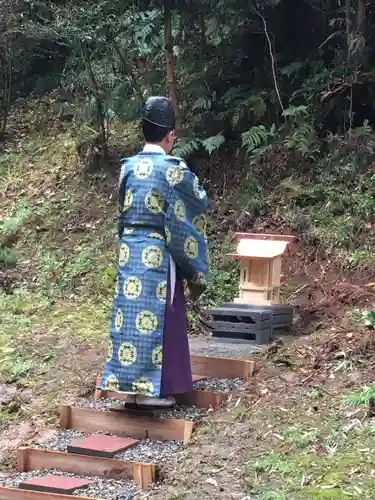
159, 111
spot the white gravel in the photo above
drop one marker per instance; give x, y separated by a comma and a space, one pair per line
108, 489
146, 451
178, 412
218, 384
222, 348
98, 404
61, 440
149, 451
185, 413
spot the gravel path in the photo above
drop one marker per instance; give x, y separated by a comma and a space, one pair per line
98, 404
61, 440
218, 385
185, 413
102, 488
179, 412
147, 451
210, 346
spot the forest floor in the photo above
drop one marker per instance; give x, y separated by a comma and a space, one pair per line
300, 429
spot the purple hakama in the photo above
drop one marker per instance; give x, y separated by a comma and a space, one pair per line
176, 376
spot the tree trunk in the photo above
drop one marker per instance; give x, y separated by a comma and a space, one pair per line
203, 41
127, 69
361, 17
348, 25
103, 138
361, 25
171, 80
356, 23
7, 91
7, 55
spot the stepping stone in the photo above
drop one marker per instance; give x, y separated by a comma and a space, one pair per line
197, 378
100, 445
55, 484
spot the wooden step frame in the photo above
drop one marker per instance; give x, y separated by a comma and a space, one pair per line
199, 399
20, 494
138, 427
206, 366
31, 459
222, 367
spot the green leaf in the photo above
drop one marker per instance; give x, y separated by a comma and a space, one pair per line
213, 143
254, 138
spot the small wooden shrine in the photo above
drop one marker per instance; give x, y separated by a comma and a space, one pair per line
260, 257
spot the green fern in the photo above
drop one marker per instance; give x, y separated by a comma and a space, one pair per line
302, 140
185, 148
254, 138
233, 94
299, 132
203, 102
360, 397
369, 318
254, 103
291, 69
7, 257
213, 143
295, 111
15, 222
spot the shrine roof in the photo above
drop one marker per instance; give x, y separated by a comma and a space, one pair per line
260, 246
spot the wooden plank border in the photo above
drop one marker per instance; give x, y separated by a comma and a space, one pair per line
138, 427
30, 459
199, 399
20, 494
222, 367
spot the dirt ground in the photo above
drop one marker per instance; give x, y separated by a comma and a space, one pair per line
298, 430
292, 433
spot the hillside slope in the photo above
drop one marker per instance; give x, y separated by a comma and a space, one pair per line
57, 272
57, 251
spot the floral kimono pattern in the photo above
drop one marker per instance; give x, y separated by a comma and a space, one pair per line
163, 216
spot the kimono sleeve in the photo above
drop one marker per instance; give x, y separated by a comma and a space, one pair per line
121, 196
185, 229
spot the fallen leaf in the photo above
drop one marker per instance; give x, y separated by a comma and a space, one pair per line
212, 481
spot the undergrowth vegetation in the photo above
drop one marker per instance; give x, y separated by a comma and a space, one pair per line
319, 451
331, 206
275, 113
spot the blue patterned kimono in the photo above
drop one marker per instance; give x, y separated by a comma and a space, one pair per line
162, 222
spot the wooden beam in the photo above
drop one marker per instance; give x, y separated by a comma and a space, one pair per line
222, 367
199, 399
138, 427
20, 494
30, 459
